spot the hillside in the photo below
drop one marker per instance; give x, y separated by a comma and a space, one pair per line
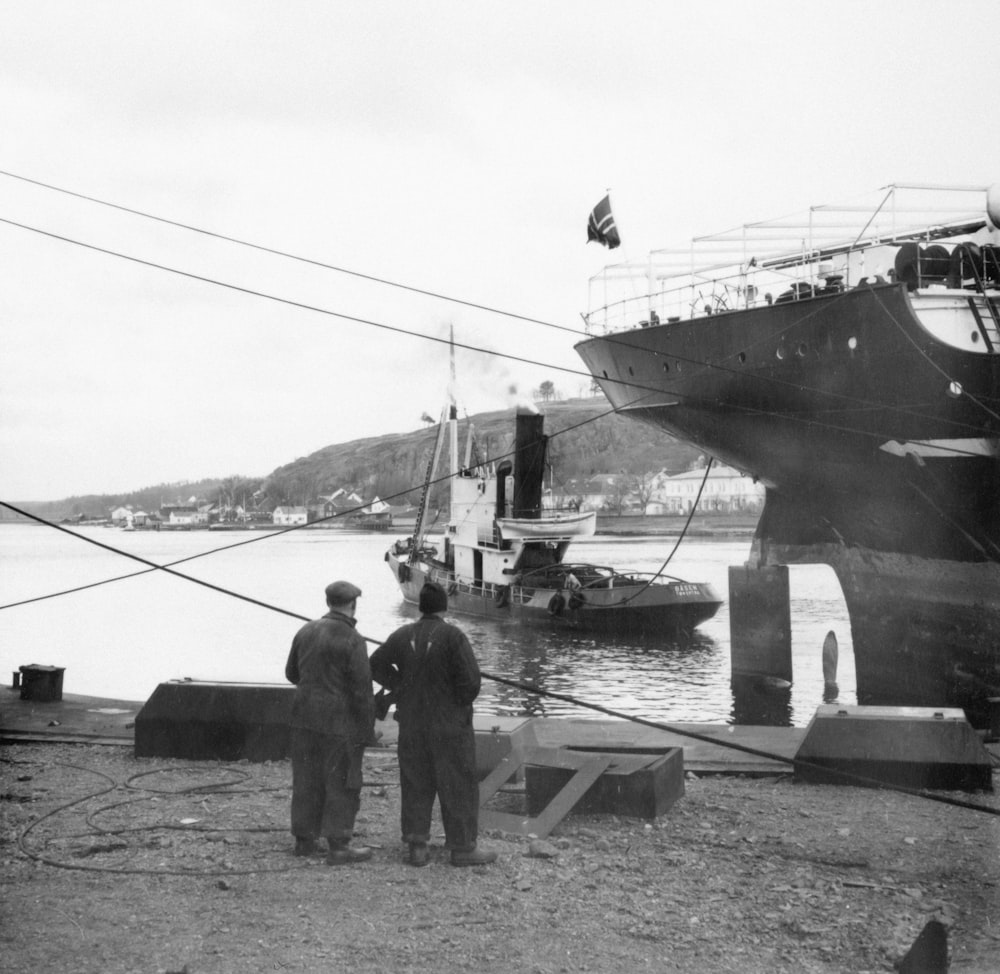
585, 438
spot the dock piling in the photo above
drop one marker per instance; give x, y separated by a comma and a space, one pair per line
760, 623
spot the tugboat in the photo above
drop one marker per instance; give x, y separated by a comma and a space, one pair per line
502, 555
850, 361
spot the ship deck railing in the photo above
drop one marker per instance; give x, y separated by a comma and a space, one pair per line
454, 585
820, 251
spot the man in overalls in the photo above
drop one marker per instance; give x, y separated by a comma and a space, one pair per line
431, 670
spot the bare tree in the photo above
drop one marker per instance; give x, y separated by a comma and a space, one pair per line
620, 489
642, 486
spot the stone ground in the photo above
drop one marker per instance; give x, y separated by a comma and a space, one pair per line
112, 863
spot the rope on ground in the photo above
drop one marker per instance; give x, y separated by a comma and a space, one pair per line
113, 785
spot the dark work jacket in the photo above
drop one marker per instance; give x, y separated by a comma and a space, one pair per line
328, 664
430, 667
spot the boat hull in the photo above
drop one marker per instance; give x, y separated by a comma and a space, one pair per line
868, 432
661, 609
925, 631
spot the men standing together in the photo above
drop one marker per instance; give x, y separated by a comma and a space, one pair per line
433, 674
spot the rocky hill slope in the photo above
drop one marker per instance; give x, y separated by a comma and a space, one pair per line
585, 438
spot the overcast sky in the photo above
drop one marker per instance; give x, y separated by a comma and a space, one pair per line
451, 147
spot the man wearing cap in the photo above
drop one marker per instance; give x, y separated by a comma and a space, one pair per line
430, 667
332, 720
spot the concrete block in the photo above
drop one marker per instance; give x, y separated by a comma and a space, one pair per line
760, 622
636, 783
916, 747
215, 721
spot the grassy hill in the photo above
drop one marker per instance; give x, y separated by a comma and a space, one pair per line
585, 438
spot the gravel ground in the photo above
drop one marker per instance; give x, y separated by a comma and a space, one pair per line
113, 863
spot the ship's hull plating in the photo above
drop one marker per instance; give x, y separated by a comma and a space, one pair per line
875, 463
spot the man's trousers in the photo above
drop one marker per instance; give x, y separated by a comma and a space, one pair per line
326, 785
444, 766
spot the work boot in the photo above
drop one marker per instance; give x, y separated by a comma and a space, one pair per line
419, 854
304, 846
341, 853
472, 857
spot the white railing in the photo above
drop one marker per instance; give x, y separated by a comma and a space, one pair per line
827, 246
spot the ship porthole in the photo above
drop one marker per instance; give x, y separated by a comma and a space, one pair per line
852, 343
666, 366
630, 371
975, 337
742, 358
954, 389
779, 353
605, 373
801, 350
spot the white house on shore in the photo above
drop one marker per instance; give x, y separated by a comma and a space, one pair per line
726, 490
289, 516
189, 517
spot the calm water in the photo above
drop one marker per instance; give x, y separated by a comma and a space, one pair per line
120, 640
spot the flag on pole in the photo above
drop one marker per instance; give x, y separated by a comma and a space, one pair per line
601, 225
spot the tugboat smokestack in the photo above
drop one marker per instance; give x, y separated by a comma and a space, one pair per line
529, 464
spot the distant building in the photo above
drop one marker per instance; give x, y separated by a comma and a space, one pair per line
343, 502
597, 493
289, 516
726, 491
403, 515
178, 513
374, 516
187, 517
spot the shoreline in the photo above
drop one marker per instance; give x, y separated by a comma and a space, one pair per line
619, 525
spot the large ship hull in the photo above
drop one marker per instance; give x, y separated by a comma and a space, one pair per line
877, 443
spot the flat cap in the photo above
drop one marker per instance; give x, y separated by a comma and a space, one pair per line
340, 593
